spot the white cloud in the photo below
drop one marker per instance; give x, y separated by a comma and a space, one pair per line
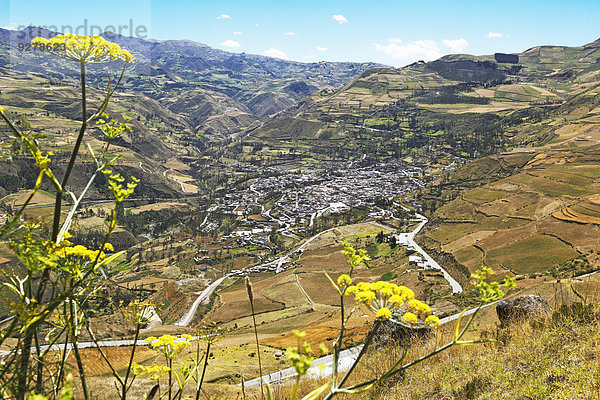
322, 48
275, 53
231, 44
224, 16
457, 45
291, 33
237, 33
310, 56
418, 50
494, 35
11, 27
340, 18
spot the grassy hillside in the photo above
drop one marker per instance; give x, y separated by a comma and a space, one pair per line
457, 106
537, 217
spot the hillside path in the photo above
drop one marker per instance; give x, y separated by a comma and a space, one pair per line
206, 293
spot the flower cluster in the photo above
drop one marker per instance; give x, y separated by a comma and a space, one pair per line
151, 372
168, 345
84, 49
79, 251
73, 259
115, 184
300, 360
491, 291
113, 129
138, 312
384, 297
354, 257
42, 161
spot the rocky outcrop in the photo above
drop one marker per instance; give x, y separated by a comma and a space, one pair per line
393, 333
522, 308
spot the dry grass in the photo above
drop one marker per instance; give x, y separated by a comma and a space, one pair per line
550, 359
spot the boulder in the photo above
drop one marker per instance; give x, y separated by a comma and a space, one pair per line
392, 333
522, 308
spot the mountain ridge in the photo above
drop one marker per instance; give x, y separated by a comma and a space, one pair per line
184, 68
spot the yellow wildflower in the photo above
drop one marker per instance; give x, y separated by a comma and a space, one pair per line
152, 372
410, 318
351, 290
1, 109
307, 347
404, 292
300, 362
383, 313
41, 160
366, 296
419, 307
344, 280
432, 321
169, 345
396, 300
387, 291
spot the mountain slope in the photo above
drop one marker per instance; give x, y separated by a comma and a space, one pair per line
462, 105
231, 91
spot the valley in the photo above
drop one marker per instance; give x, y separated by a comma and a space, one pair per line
252, 166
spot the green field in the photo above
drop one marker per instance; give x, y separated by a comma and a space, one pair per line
534, 254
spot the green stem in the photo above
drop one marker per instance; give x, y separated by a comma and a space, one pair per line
203, 369
39, 382
296, 384
338, 346
73, 315
23, 362
355, 363
26, 351
392, 373
170, 377
368, 341
84, 122
63, 360
137, 334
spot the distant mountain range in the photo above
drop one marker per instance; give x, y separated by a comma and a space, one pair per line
217, 93
459, 104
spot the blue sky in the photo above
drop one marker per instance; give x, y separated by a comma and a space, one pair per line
393, 32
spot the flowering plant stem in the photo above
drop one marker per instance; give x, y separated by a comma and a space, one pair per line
199, 385
82, 129
124, 385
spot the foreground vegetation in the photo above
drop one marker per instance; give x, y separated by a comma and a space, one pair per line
549, 358
555, 359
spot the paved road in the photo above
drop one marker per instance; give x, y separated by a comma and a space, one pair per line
84, 345
456, 288
187, 317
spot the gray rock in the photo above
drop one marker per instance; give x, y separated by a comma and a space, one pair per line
392, 333
522, 308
